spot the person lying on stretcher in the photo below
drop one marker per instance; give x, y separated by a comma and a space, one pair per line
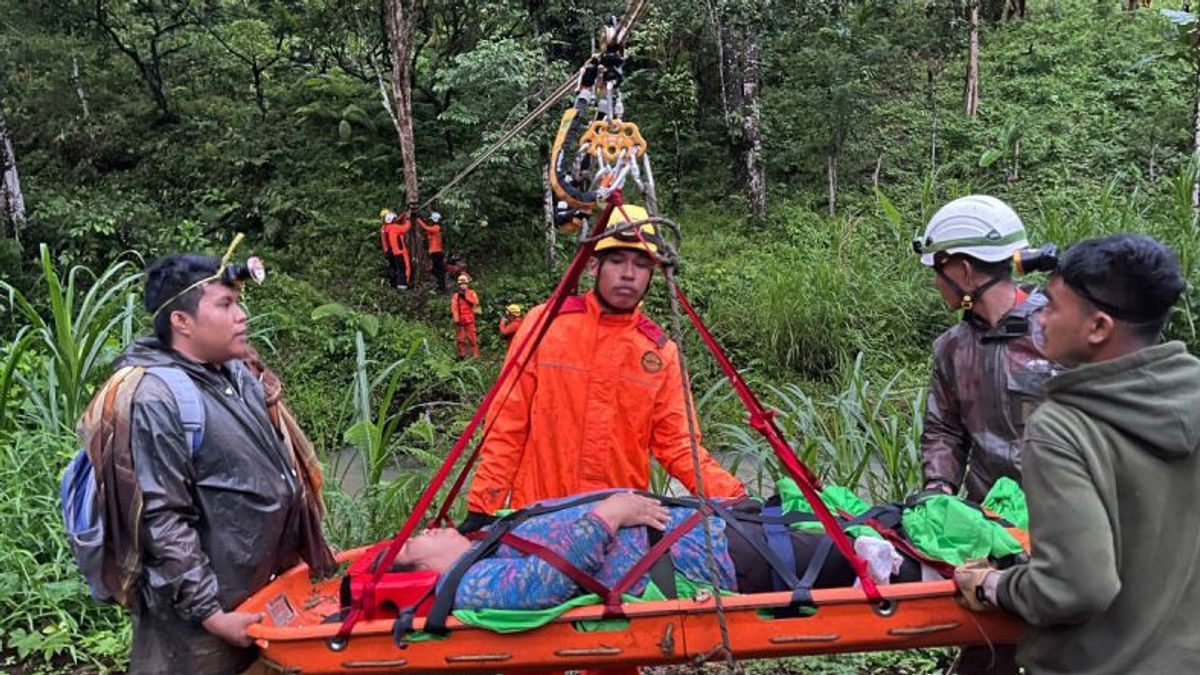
606, 537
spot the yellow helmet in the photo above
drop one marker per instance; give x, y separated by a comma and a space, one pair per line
464, 279
515, 310
628, 239
384, 212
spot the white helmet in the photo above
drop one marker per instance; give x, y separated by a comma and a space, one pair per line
435, 217
390, 217
979, 226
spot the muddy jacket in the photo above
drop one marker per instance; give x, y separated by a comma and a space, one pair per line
216, 524
1113, 459
601, 394
986, 382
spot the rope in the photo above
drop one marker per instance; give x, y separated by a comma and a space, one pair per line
634, 12
685, 380
523, 356
563, 89
665, 262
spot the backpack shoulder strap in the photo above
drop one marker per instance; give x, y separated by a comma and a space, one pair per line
187, 398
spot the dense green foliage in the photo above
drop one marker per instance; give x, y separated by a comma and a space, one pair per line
269, 121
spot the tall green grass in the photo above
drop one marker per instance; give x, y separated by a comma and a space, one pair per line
860, 435
45, 607
85, 320
392, 446
47, 370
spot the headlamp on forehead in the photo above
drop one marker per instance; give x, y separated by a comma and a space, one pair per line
232, 274
251, 270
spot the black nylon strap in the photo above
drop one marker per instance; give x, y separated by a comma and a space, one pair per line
802, 594
663, 571
788, 576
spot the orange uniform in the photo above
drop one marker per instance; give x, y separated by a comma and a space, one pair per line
391, 235
463, 312
434, 234
602, 393
509, 327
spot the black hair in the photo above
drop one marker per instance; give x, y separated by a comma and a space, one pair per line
170, 275
1134, 278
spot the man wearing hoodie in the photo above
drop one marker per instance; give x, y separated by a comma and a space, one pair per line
1111, 474
219, 516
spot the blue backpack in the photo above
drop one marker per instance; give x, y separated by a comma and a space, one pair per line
80, 501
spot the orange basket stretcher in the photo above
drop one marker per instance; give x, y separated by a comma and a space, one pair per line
296, 634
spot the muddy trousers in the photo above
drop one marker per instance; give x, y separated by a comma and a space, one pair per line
464, 335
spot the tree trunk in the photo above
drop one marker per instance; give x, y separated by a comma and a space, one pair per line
400, 22
831, 169
12, 201
738, 52
83, 102
401, 19
972, 85
756, 179
152, 73
548, 210
260, 99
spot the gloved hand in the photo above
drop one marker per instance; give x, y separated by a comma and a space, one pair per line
475, 521
976, 581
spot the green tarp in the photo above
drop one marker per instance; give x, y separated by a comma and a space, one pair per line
940, 526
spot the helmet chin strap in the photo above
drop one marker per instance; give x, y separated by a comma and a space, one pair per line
968, 297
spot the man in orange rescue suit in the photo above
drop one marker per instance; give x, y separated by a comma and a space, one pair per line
602, 393
462, 308
510, 323
391, 235
437, 256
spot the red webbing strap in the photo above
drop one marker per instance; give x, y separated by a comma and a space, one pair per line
568, 282
585, 580
565, 287
762, 420
612, 601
